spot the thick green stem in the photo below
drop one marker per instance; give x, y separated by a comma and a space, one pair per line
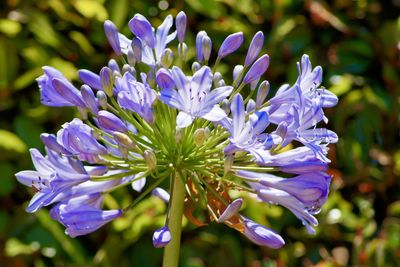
171, 252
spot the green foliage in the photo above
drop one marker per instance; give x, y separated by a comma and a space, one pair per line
357, 44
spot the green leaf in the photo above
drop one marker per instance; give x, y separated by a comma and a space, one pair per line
10, 27
209, 8
118, 12
91, 9
82, 41
7, 179
11, 142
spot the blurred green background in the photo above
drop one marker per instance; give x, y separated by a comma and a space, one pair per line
356, 42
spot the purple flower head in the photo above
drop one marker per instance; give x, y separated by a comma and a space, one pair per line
230, 44
254, 49
181, 26
193, 97
78, 138
142, 28
257, 69
135, 96
80, 219
161, 237
111, 32
110, 122
262, 235
53, 174
90, 78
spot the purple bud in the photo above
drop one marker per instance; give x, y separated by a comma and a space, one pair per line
141, 27
231, 210
102, 98
50, 141
254, 49
251, 106
89, 98
90, 78
181, 26
138, 185
161, 194
199, 45
230, 44
164, 80
131, 57
109, 121
106, 77
206, 44
262, 93
257, 69
261, 235
65, 89
111, 32
113, 65
161, 237
137, 49
195, 66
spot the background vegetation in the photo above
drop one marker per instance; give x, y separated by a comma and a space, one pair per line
356, 42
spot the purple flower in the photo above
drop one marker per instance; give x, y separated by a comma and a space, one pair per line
262, 235
244, 135
78, 138
199, 45
231, 210
111, 32
193, 97
53, 175
230, 44
161, 194
142, 28
89, 98
164, 79
161, 237
50, 141
254, 48
81, 219
135, 96
57, 91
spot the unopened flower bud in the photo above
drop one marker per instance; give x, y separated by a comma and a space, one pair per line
161, 194
161, 237
237, 70
231, 210
257, 69
150, 159
195, 66
137, 49
113, 65
254, 49
207, 132
216, 78
131, 57
199, 45
253, 84
261, 235
199, 136
230, 44
251, 105
89, 98
124, 140
221, 83
90, 78
102, 98
180, 22
111, 32
106, 77
226, 106
206, 44
167, 58
110, 122
262, 93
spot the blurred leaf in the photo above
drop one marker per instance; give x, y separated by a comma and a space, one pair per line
341, 84
27, 78
82, 41
67, 68
91, 9
119, 12
11, 142
43, 30
28, 130
14, 247
208, 8
10, 27
8, 61
7, 179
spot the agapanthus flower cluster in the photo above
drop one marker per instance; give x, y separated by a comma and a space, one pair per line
158, 115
